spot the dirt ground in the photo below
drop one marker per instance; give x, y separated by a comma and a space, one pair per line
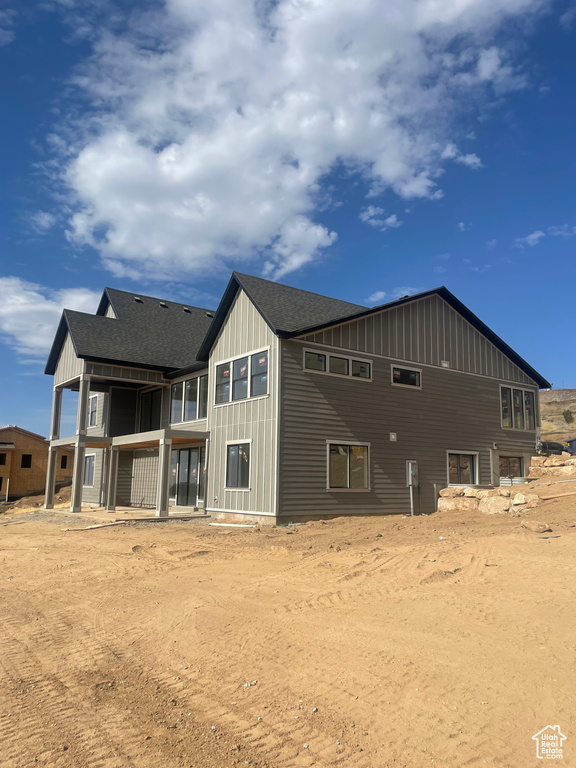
446, 640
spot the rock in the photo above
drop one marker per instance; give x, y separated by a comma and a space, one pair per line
519, 499
537, 461
466, 505
492, 505
451, 493
554, 461
569, 470
482, 494
446, 505
535, 527
536, 472
570, 462
470, 493
532, 500
504, 492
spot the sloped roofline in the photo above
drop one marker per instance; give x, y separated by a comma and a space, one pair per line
23, 431
57, 344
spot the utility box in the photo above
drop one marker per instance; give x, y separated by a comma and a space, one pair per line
412, 473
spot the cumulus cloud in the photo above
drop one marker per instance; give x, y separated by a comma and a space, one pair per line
376, 298
565, 231
214, 124
532, 239
7, 19
42, 221
29, 313
373, 216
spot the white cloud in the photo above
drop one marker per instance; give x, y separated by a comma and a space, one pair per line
29, 313
462, 226
213, 124
376, 297
565, 231
42, 221
532, 239
7, 19
491, 243
403, 290
373, 216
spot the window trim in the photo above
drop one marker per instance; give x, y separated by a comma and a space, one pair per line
342, 376
238, 442
90, 399
183, 381
522, 389
87, 456
405, 368
230, 361
476, 455
349, 443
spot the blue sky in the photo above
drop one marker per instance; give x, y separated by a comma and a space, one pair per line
353, 151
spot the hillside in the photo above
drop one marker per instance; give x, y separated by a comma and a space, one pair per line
558, 407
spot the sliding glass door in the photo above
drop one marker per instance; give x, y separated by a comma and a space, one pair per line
187, 477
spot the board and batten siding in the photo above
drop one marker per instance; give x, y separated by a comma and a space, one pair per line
69, 366
453, 411
93, 494
426, 331
255, 419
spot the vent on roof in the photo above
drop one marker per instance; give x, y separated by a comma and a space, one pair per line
138, 299
186, 309
163, 304
209, 314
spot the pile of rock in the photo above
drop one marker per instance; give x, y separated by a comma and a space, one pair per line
564, 465
487, 500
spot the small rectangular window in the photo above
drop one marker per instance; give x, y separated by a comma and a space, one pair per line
223, 383
348, 466
92, 410
2, 459
314, 361
238, 466
190, 399
259, 373
506, 404
88, 471
340, 365
461, 469
529, 410
518, 409
361, 369
406, 377
176, 396
63, 461
26, 462
240, 379
202, 397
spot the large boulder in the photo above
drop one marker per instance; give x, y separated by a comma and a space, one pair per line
446, 505
470, 493
537, 461
570, 462
519, 498
451, 493
504, 492
554, 461
464, 504
492, 505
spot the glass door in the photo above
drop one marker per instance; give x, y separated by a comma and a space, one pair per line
186, 486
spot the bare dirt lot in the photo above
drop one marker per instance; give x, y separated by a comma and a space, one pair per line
446, 640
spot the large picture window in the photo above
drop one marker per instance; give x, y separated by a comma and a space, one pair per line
238, 466
242, 378
348, 467
462, 468
517, 408
189, 400
89, 470
337, 364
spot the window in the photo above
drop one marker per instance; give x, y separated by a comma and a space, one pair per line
348, 467
406, 377
150, 410
517, 407
63, 461
510, 466
249, 377
189, 400
26, 462
238, 466
462, 468
92, 410
337, 365
89, 470
1, 479
2, 459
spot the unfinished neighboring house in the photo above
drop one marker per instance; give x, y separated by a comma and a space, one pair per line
284, 404
23, 462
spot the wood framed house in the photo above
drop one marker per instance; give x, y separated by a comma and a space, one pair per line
283, 404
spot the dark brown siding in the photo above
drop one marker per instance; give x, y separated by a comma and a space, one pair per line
452, 412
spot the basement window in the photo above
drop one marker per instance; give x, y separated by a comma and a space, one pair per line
462, 468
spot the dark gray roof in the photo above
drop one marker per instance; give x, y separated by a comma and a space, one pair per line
151, 332
287, 310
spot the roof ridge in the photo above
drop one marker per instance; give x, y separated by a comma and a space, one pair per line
158, 298
240, 275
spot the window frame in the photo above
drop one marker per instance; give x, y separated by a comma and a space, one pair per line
405, 368
349, 443
198, 389
250, 374
86, 457
342, 355
247, 441
142, 393
523, 391
476, 455
93, 412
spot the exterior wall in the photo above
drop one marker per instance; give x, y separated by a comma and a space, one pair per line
93, 494
144, 478
427, 331
26, 481
110, 312
454, 411
254, 419
124, 481
69, 366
